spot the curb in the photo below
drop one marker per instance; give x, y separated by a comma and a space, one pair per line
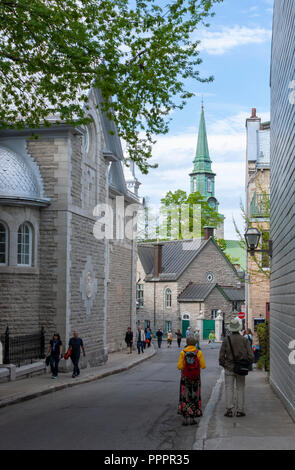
201, 434
56, 388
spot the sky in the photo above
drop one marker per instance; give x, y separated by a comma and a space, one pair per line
236, 50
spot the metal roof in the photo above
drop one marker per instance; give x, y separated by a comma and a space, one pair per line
233, 293
176, 257
196, 292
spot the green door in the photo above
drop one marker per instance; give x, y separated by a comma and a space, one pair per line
208, 326
185, 325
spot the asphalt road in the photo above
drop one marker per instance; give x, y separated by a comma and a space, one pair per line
133, 410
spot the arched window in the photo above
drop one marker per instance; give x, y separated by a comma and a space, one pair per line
24, 245
3, 244
168, 298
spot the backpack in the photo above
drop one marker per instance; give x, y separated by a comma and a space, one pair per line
191, 365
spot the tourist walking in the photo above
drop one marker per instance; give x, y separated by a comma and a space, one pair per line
55, 354
197, 336
159, 335
212, 339
169, 339
129, 340
75, 345
179, 337
148, 337
140, 340
190, 363
188, 331
235, 357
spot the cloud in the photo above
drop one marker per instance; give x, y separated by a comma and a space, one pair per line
220, 42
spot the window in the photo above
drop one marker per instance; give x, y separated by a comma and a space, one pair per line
167, 326
209, 185
3, 244
168, 298
194, 185
24, 245
139, 295
214, 314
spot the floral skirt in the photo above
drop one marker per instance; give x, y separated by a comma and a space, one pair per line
190, 404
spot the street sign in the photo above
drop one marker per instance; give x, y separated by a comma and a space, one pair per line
241, 315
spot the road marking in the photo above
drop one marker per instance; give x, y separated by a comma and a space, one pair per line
201, 434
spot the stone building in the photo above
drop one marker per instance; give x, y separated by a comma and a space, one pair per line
257, 212
54, 272
177, 281
282, 232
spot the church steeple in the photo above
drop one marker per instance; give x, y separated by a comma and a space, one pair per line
202, 176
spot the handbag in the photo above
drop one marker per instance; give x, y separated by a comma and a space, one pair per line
68, 354
241, 367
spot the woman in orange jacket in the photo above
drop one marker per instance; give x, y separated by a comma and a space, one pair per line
190, 363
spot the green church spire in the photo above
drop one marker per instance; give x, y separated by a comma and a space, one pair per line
202, 176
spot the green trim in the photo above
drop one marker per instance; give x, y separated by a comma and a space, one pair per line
223, 293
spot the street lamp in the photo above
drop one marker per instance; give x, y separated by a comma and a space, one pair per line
252, 237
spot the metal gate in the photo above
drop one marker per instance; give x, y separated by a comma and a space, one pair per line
208, 326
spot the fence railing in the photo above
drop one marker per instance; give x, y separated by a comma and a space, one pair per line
260, 205
23, 349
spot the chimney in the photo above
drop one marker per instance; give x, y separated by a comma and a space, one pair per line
158, 249
208, 232
253, 113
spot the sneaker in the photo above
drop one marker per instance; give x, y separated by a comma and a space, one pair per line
73, 376
53, 377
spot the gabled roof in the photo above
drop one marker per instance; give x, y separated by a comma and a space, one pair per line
199, 292
177, 255
196, 292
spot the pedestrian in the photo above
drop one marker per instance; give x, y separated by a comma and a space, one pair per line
148, 337
129, 340
169, 338
188, 331
140, 340
159, 335
235, 348
55, 354
75, 345
212, 339
249, 336
197, 336
179, 337
190, 363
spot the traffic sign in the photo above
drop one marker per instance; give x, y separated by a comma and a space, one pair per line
241, 315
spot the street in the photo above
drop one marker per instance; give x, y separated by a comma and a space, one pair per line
133, 410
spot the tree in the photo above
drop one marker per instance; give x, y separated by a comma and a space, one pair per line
261, 263
139, 56
179, 205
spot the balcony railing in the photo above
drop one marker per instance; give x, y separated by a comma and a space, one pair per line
260, 205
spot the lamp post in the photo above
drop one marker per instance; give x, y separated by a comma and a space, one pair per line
252, 237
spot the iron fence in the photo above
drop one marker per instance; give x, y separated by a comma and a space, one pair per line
23, 349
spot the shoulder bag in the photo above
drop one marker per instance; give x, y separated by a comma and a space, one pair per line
240, 367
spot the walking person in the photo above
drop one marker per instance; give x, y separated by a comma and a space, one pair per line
212, 339
148, 337
55, 354
235, 357
188, 332
190, 363
129, 340
169, 338
75, 345
249, 336
140, 340
159, 335
197, 336
179, 337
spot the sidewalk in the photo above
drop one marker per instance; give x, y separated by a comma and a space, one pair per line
266, 426
25, 389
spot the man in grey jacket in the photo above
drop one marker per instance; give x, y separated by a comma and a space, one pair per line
242, 351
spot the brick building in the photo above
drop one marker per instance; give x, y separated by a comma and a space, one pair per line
53, 271
177, 281
257, 212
